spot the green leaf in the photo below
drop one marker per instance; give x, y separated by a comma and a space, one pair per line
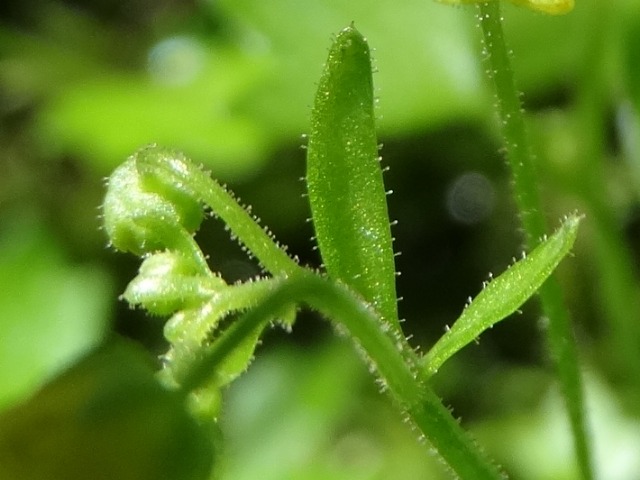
504, 295
52, 310
344, 178
105, 418
168, 282
190, 331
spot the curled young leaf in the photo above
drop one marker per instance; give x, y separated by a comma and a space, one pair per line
505, 294
344, 178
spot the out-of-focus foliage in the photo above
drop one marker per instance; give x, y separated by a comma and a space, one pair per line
521, 438
105, 418
51, 311
228, 96
317, 432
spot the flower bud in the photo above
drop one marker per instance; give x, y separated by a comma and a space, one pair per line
168, 282
148, 212
169, 174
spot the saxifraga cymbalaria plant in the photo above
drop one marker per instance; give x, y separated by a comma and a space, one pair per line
157, 199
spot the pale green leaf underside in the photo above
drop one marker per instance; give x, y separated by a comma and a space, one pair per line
504, 295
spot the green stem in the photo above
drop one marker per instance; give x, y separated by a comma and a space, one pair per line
180, 240
187, 244
397, 368
258, 241
518, 153
179, 179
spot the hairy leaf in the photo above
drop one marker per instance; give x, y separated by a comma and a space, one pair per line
344, 178
504, 295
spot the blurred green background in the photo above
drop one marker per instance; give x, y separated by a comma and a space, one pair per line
83, 84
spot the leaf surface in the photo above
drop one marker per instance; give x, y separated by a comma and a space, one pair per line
504, 295
344, 178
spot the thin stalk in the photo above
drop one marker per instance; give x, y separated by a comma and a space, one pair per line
520, 159
243, 226
173, 174
397, 368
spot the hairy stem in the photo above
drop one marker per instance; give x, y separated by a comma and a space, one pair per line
258, 241
397, 368
519, 157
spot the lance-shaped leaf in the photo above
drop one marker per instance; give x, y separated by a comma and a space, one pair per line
505, 294
344, 178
